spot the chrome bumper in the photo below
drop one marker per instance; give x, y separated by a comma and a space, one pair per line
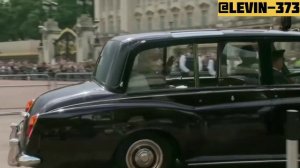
15, 155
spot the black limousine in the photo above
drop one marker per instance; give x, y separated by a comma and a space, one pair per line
157, 100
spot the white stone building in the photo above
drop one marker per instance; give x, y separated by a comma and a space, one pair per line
134, 16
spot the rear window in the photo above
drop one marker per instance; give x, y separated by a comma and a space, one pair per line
106, 59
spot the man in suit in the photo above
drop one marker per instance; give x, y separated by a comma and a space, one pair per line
279, 74
186, 62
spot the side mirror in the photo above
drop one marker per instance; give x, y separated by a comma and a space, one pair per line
286, 23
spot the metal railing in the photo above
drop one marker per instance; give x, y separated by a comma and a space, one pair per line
60, 79
14, 86
43, 77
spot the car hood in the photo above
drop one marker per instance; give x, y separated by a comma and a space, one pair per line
69, 95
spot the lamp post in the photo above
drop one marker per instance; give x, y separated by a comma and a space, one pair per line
49, 7
85, 4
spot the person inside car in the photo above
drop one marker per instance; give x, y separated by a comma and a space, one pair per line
248, 55
186, 62
279, 73
248, 69
147, 71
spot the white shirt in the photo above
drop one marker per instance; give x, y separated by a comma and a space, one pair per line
183, 68
182, 62
211, 68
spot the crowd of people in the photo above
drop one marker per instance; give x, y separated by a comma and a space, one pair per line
13, 67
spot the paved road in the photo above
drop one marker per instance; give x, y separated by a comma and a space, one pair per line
15, 93
4, 134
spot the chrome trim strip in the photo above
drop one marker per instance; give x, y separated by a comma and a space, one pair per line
196, 34
24, 114
236, 162
160, 95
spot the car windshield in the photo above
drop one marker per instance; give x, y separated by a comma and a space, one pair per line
105, 62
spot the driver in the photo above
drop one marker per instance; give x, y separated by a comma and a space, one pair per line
279, 74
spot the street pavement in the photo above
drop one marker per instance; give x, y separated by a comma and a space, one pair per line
13, 97
15, 93
4, 136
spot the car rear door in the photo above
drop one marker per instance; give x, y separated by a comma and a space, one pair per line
235, 110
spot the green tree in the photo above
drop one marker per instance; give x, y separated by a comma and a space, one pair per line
5, 21
67, 13
19, 19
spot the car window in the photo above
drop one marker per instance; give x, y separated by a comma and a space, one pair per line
286, 62
239, 64
106, 60
207, 59
174, 67
147, 71
162, 68
181, 66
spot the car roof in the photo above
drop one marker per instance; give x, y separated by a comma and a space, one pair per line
205, 33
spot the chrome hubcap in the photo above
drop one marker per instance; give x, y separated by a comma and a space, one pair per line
144, 157
144, 154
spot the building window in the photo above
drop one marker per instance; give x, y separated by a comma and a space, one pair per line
118, 4
204, 18
190, 19
103, 26
103, 6
169, 2
138, 3
138, 24
162, 22
204, 7
111, 25
175, 21
110, 4
119, 25
149, 23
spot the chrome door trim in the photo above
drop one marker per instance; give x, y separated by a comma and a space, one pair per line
236, 162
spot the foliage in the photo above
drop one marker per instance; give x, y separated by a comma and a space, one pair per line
19, 19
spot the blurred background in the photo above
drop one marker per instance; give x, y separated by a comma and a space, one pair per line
44, 36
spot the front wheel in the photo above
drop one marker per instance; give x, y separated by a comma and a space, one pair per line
146, 152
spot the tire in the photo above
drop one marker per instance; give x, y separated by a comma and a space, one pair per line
148, 151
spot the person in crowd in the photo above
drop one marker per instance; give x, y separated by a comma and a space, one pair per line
12, 67
2, 68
